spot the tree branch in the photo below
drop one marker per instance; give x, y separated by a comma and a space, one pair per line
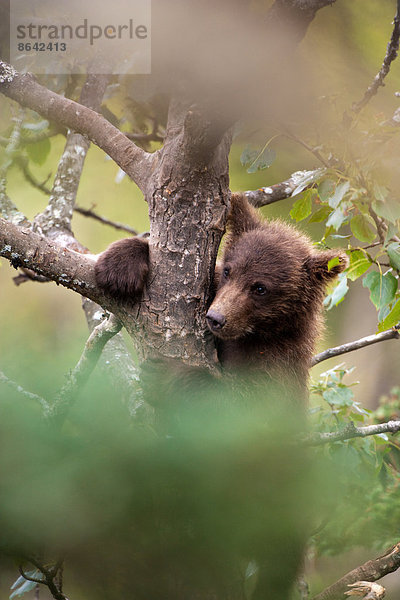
57, 216
29, 395
295, 16
67, 113
390, 334
391, 54
280, 191
55, 222
28, 577
74, 271
49, 576
7, 207
90, 213
351, 431
23, 164
77, 378
116, 361
314, 151
372, 570
24, 248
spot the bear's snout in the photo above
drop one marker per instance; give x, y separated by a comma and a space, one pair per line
215, 320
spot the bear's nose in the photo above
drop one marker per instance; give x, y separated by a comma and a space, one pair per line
215, 320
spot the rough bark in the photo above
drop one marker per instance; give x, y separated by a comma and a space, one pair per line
74, 270
372, 570
187, 208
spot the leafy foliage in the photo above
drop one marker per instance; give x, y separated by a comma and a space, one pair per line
257, 160
366, 469
192, 502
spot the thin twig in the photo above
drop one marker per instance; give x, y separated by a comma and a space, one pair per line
28, 275
28, 577
86, 212
391, 54
7, 207
22, 162
29, 395
145, 137
372, 570
314, 151
351, 431
389, 334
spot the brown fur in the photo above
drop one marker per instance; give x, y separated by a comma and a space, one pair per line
267, 309
122, 269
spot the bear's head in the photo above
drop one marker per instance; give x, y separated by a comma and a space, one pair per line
271, 279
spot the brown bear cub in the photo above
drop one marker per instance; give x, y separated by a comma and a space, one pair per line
270, 288
266, 313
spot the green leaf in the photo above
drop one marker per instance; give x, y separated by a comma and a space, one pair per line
320, 215
380, 192
302, 207
392, 319
22, 586
302, 179
393, 251
325, 189
340, 395
248, 155
389, 210
359, 263
338, 293
257, 159
391, 232
336, 219
360, 226
382, 288
339, 194
383, 312
333, 262
26, 587
389, 289
39, 151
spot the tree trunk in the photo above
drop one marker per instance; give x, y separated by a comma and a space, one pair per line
188, 200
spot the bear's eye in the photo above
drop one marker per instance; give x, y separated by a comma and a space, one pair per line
259, 289
226, 272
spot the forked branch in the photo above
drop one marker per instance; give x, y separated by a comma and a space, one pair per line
77, 378
67, 113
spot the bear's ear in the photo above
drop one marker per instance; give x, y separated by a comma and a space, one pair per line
325, 266
242, 217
